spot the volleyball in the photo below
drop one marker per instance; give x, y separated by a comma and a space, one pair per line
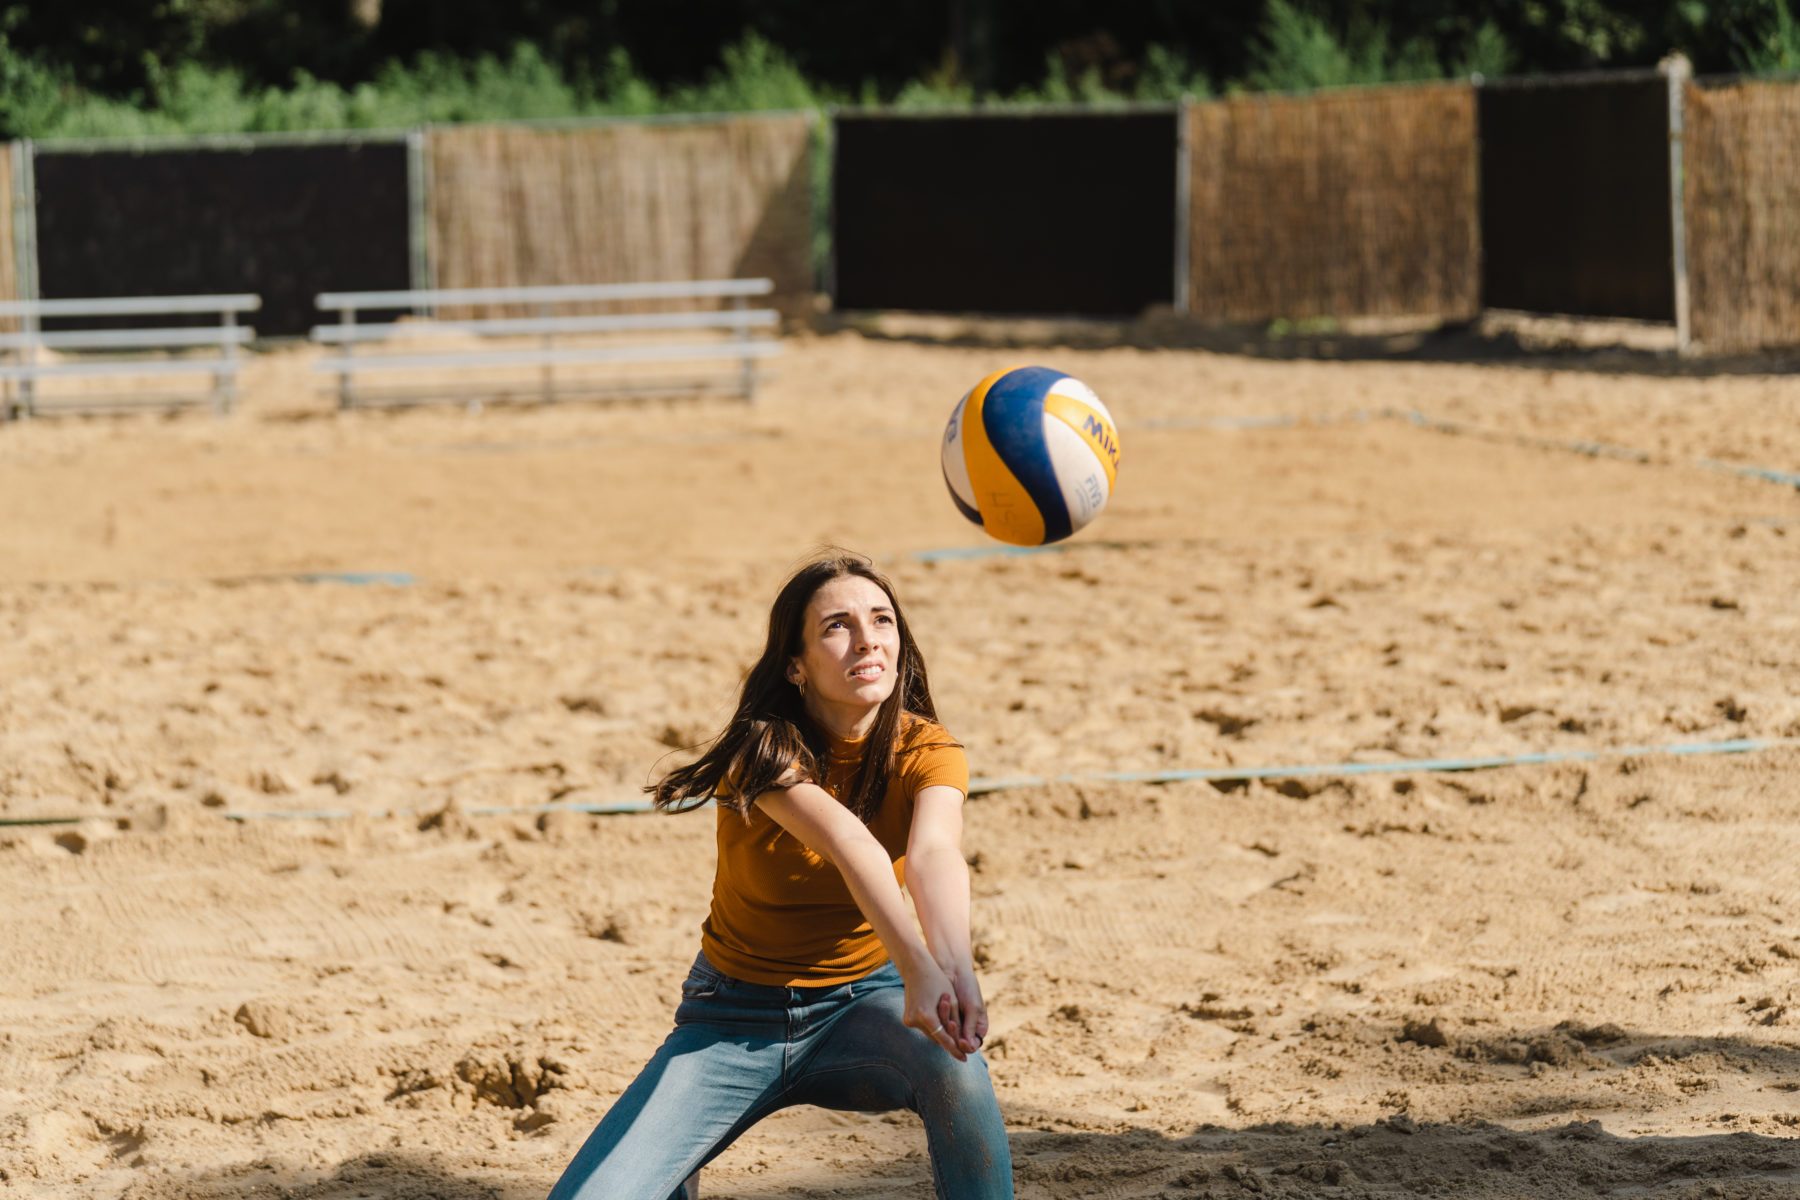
1030, 455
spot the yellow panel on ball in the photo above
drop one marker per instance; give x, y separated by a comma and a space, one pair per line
1007, 509
1094, 425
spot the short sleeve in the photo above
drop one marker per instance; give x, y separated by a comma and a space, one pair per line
937, 762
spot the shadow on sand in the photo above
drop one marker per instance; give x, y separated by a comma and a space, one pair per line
378, 1176
1568, 1069
1391, 1158
1495, 339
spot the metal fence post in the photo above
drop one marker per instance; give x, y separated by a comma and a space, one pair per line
21, 250
828, 280
225, 383
418, 215
347, 317
1678, 70
1183, 201
31, 287
25, 272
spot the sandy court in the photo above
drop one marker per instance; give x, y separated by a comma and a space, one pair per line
1545, 981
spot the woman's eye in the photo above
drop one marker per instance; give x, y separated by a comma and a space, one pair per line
884, 619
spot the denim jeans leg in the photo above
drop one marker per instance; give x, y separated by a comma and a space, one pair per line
703, 1087
869, 1061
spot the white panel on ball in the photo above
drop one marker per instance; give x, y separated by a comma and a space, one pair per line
1074, 389
1080, 474
956, 467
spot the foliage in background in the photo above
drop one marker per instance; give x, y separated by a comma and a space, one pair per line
1169, 75
1769, 45
1298, 50
216, 66
40, 102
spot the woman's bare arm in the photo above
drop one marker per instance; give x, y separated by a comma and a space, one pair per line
833, 832
937, 877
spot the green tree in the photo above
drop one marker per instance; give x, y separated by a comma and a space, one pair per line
1298, 50
1768, 41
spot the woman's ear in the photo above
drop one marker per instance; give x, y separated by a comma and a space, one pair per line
794, 675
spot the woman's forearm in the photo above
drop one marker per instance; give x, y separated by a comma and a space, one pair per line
937, 878
869, 873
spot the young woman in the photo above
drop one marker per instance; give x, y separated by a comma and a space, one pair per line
813, 985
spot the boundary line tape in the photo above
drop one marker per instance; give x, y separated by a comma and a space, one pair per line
1414, 766
983, 786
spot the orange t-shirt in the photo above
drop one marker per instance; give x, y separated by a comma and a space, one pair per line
782, 915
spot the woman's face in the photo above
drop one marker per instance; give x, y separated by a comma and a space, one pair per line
849, 647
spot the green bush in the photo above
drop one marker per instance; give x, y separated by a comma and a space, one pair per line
1168, 75
754, 76
1296, 50
1771, 46
1487, 54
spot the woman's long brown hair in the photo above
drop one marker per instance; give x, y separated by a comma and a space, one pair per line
771, 731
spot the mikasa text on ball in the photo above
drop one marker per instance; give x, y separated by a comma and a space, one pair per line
1031, 455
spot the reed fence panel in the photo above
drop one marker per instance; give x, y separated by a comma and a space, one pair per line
1341, 204
1741, 167
514, 206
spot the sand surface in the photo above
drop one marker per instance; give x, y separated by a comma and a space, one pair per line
1561, 980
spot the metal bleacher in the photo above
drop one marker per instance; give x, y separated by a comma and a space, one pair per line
35, 357
531, 357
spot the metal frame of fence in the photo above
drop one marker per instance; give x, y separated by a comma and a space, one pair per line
1184, 187
1678, 72
27, 151
1672, 73
24, 230
418, 197
1178, 109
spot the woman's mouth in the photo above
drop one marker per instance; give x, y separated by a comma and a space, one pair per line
868, 672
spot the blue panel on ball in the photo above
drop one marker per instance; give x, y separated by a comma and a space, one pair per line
1013, 415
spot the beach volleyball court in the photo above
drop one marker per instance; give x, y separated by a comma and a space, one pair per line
1533, 981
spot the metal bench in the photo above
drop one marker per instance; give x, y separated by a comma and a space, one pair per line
25, 367
527, 367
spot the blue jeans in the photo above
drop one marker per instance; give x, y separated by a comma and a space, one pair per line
740, 1051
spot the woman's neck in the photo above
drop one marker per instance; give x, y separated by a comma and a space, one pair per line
843, 722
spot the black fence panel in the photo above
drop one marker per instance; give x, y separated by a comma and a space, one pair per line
284, 221
1070, 214
1575, 213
